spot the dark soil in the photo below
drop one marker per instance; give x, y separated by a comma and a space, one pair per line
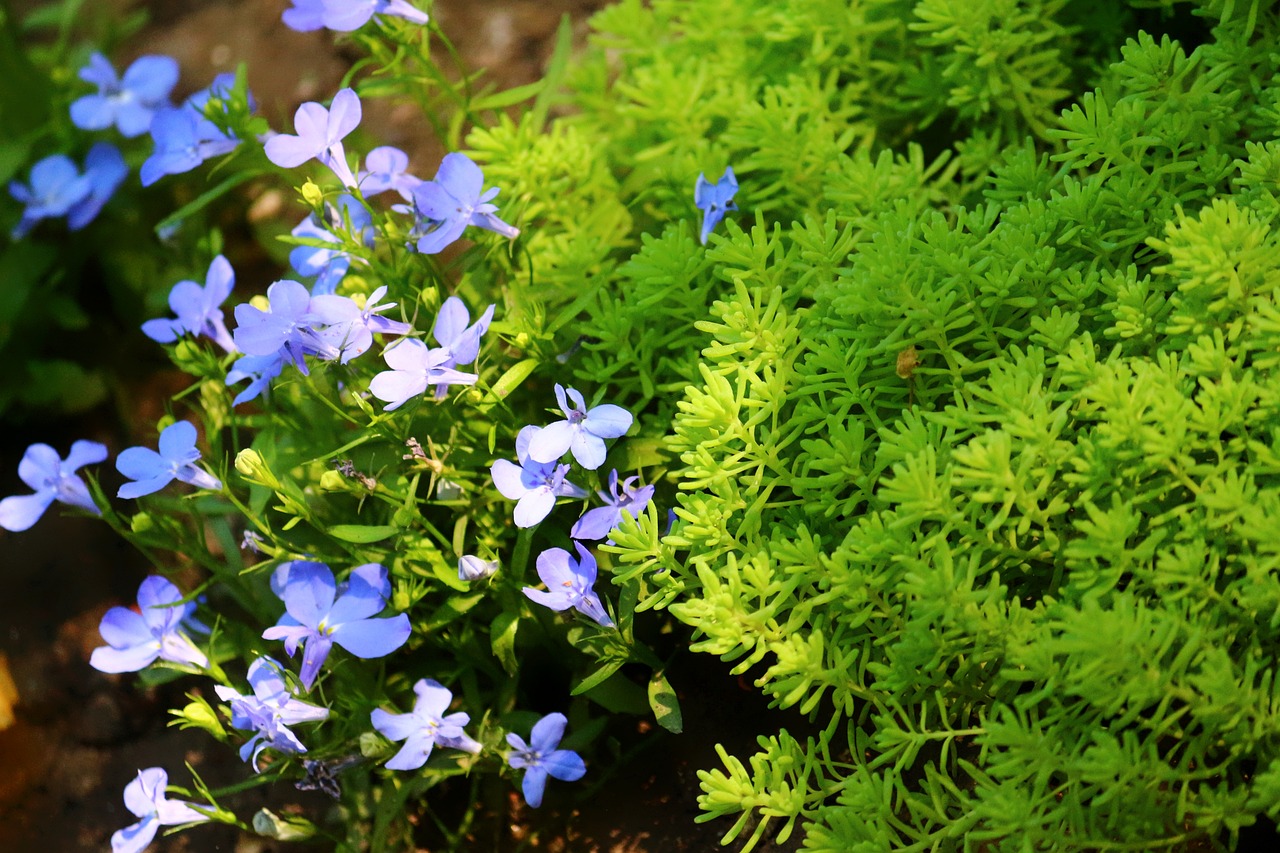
80, 736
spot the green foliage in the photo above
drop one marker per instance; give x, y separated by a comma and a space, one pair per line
973, 452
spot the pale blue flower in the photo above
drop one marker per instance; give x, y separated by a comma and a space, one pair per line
128, 102
259, 369
414, 368
198, 309
175, 461
269, 711
52, 479
425, 727
569, 583
386, 168
105, 169
145, 797
53, 189
346, 15
582, 431
136, 639
455, 199
542, 757
471, 568
533, 485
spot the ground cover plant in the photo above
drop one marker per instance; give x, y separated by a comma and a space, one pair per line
916, 359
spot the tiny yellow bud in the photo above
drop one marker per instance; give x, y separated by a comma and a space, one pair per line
312, 195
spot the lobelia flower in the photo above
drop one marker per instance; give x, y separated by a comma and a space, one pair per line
320, 135
145, 797
57, 188
385, 168
52, 479
541, 757
451, 202
175, 461
373, 574
268, 712
106, 170
533, 485
414, 368
54, 187
287, 328
425, 727
198, 309
318, 617
582, 431
329, 266
474, 569
714, 200
453, 334
136, 640
569, 583
184, 137
129, 102
346, 15
259, 369
596, 523
350, 328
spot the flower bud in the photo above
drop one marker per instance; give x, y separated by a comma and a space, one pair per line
473, 568
254, 468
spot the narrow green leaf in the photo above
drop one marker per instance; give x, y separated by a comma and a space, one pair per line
361, 534
502, 639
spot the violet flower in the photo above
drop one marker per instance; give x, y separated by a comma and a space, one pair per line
320, 135
596, 523
455, 199
569, 583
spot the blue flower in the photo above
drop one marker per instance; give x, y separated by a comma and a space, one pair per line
596, 523
128, 103
541, 757
569, 583
460, 340
288, 328
198, 309
52, 479
425, 727
320, 135
175, 461
582, 431
349, 328
385, 168
346, 15
259, 369
57, 188
451, 202
414, 368
145, 797
316, 619
714, 200
136, 639
533, 485
105, 169
185, 137
330, 265
269, 711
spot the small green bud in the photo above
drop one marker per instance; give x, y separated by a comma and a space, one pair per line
254, 468
282, 828
332, 481
141, 523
